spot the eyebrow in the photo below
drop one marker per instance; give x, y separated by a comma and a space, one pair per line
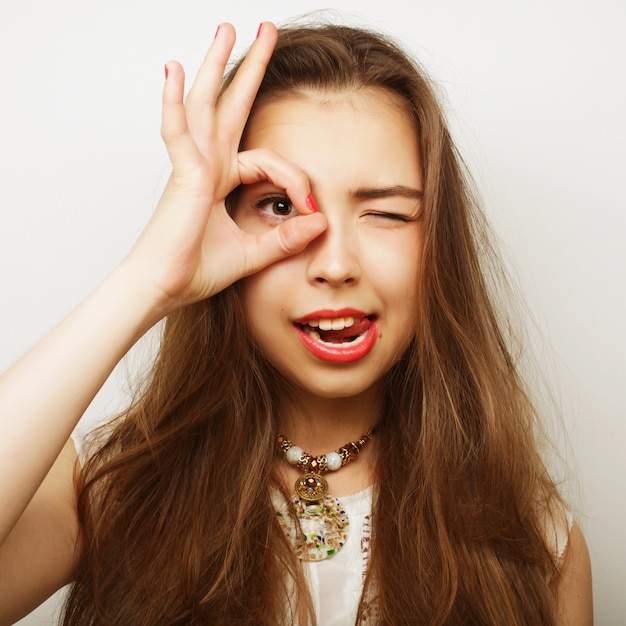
373, 193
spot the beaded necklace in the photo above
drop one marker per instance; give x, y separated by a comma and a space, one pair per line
321, 526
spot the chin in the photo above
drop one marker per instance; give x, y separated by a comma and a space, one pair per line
336, 387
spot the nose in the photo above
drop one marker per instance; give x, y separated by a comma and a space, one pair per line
334, 257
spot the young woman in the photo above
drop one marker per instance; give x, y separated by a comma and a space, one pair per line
334, 430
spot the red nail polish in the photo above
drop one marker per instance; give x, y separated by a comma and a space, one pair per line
258, 32
310, 202
166, 72
217, 31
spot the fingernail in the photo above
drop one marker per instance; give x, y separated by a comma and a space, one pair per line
166, 72
310, 202
217, 31
258, 32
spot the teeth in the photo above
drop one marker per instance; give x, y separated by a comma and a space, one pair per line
338, 323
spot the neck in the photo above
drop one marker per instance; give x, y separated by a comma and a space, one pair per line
319, 425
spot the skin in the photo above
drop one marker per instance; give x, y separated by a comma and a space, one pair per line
190, 250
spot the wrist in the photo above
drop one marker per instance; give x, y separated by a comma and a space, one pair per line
139, 305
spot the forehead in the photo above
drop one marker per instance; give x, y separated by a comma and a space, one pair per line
360, 134
372, 102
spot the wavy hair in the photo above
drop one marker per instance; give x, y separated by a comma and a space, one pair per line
177, 521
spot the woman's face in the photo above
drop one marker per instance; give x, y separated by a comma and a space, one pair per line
334, 318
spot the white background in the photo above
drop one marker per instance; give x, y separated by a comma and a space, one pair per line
536, 99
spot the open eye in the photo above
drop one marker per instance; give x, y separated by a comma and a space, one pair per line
276, 207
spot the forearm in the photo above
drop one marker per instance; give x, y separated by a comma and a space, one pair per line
44, 394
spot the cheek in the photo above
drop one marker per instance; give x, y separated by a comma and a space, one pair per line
396, 271
263, 296
260, 317
409, 268
254, 297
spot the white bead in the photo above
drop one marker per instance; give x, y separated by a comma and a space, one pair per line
293, 454
333, 461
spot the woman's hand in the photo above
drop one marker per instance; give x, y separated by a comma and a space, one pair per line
191, 248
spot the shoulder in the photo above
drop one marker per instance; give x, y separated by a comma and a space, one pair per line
574, 591
40, 554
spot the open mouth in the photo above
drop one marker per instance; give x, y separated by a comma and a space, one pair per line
338, 332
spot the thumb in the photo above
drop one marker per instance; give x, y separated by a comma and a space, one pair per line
287, 239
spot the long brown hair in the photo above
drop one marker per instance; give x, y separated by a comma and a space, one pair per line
177, 521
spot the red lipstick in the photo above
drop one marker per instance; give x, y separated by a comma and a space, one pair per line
340, 345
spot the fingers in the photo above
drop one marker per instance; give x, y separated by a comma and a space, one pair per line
264, 164
288, 239
268, 245
200, 102
237, 100
206, 86
174, 129
190, 127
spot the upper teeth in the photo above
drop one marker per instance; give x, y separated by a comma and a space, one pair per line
338, 323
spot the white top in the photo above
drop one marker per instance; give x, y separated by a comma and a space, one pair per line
336, 583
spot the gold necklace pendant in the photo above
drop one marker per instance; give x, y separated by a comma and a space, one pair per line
311, 487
